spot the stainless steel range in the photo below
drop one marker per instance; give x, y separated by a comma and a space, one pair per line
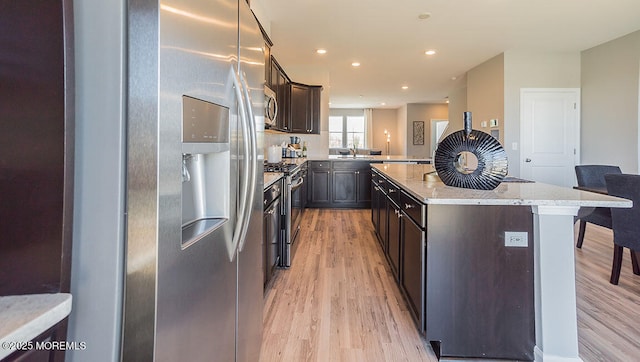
295, 196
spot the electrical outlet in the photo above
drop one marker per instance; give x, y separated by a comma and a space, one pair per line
516, 239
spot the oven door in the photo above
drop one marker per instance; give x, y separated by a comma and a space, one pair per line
293, 215
297, 203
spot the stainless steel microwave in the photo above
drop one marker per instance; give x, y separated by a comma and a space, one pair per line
270, 107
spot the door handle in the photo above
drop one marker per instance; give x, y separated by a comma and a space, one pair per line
253, 157
527, 160
246, 179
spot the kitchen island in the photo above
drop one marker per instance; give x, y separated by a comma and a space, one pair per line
486, 274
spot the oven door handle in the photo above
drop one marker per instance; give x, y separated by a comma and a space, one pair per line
298, 184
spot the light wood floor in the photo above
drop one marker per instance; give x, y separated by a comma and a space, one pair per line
338, 302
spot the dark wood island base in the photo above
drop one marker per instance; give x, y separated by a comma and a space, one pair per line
470, 295
479, 292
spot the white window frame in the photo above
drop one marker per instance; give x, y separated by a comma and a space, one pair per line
345, 113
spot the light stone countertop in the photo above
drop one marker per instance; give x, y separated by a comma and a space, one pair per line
434, 191
271, 177
24, 317
383, 158
301, 160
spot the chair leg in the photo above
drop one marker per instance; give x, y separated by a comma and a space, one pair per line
583, 226
635, 262
617, 264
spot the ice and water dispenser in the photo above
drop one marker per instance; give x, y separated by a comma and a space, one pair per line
206, 168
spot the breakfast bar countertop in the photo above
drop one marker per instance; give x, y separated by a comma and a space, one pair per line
434, 191
24, 317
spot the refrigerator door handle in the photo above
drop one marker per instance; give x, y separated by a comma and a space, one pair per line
245, 182
254, 158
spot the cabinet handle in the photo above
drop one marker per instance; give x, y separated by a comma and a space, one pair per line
357, 172
391, 191
409, 206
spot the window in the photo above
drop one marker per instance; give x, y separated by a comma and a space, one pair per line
347, 129
335, 132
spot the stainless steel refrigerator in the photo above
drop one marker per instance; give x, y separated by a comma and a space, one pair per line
191, 288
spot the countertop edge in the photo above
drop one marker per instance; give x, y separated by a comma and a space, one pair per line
483, 197
271, 178
24, 317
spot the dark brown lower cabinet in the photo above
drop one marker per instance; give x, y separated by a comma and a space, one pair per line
339, 184
470, 295
394, 240
319, 184
413, 273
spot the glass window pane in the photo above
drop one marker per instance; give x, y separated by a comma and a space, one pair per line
357, 138
335, 140
335, 124
355, 124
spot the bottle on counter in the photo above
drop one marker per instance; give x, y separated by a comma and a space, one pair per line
304, 149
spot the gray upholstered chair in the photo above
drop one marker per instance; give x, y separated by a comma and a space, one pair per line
593, 176
625, 222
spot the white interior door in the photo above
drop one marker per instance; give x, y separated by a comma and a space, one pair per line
550, 134
438, 126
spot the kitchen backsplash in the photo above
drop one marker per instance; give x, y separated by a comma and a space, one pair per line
317, 145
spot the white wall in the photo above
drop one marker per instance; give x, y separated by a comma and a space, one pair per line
609, 132
532, 70
493, 92
485, 94
457, 105
423, 112
399, 141
385, 119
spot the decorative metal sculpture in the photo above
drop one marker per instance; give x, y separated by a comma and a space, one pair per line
452, 156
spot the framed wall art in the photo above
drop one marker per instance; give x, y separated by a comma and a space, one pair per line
418, 132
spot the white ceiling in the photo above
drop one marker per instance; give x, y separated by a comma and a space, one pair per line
389, 40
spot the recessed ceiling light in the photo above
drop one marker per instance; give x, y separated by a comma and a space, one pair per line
424, 16
355, 64
454, 78
430, 52
383, 104
321, 51
405, 87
